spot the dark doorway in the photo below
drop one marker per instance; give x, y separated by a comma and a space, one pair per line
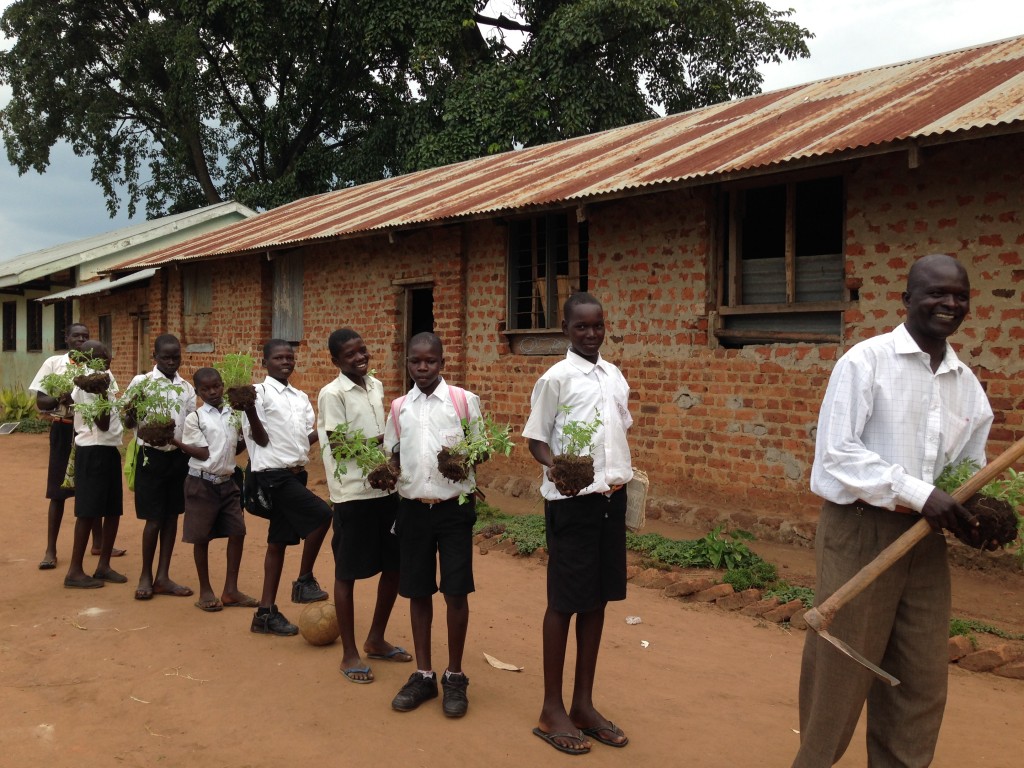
419, 317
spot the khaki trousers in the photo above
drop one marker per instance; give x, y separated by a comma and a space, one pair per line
900, 622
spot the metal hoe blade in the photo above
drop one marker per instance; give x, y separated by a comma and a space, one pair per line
881, 674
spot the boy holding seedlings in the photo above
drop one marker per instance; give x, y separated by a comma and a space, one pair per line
363, 542
213, 509
162, 466
62, 435
432, 525
98, 494
586, 527
279, 430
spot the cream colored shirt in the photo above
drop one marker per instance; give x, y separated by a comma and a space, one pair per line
342, 401
88, 435
209, 427
588, 389
287, 415
888, 425
428, 422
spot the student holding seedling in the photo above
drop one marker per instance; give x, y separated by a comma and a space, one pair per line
213, 509
98, 493
350, 423
53, 397
898, 408
585, 518
432, 526
156, 404
279, 430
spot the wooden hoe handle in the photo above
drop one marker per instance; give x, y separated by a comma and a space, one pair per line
821, 617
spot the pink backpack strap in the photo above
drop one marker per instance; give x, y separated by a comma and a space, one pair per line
458, 395
396, 406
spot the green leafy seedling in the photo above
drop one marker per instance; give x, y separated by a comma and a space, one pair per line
481, 439
346, 444
578, 436
236, 370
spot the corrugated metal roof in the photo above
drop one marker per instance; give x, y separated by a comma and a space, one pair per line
978, 87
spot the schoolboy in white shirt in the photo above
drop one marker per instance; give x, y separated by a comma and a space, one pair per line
433, 528
364, 541
98, 493
279, 430
213, 508
586, 527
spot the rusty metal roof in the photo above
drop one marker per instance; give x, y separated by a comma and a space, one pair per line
974, 88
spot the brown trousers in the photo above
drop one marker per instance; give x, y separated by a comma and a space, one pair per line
900, 622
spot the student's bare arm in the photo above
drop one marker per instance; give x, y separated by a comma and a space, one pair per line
46, 403
541, 451
201, 452
259, 432
240, 445
314, 437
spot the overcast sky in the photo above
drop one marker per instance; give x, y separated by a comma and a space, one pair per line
37, 211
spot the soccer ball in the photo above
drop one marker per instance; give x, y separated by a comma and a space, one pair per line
318, 623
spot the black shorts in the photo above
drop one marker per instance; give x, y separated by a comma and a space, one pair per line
586, 538
61, 437
296, 511
160, 483
98, 481
364, 541
428, 534
212, 511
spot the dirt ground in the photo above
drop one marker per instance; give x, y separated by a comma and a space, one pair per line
95, 678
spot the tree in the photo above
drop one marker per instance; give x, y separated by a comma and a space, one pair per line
187, 102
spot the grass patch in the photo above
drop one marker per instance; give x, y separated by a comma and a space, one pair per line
33, 426
968, 628
788, 592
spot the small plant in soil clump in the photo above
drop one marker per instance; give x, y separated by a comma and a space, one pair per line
352, 445
481, 439
88, 372
91, 412
995, 506
236, 372
573, 468
152, 403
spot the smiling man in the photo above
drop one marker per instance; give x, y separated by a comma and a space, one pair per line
898, 409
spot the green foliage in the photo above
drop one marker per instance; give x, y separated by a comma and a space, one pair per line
33, 426
759, 574
95, 409
57, 385
16, 404
787, 592
346, 446
712, 551
967, 628
481, 439
236, 370
153, 401
578, 435
187, 102
1008, 488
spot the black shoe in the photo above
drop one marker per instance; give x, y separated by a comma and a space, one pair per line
270, 621
415, 692
306, 589
455, 703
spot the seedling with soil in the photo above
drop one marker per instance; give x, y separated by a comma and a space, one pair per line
236, 372
481, 439
996, 505
574, 467
346, 445
151, 404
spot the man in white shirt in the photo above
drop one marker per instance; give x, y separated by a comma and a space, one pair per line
364, 541
62, 434
585, 527
97, 479
160, 476
898, 409
279, 430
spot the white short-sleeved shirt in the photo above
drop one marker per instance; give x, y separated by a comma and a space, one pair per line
55, 364
287, 416
87, 435
186, 404
588, 389
428, 423
209, 427
342, 401
888, 425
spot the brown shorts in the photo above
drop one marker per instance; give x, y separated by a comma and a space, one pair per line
212, 511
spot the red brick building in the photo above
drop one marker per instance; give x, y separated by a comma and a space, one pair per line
738, 251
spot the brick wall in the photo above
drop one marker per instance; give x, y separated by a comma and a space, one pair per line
733, 426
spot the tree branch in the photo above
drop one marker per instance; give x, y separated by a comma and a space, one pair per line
503, 22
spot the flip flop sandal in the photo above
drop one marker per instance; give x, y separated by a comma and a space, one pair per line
390, 655
47, 565
595, 733
245, 602
180, 590
85, 583
363, 670
208, 606
144, 593
550, 739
